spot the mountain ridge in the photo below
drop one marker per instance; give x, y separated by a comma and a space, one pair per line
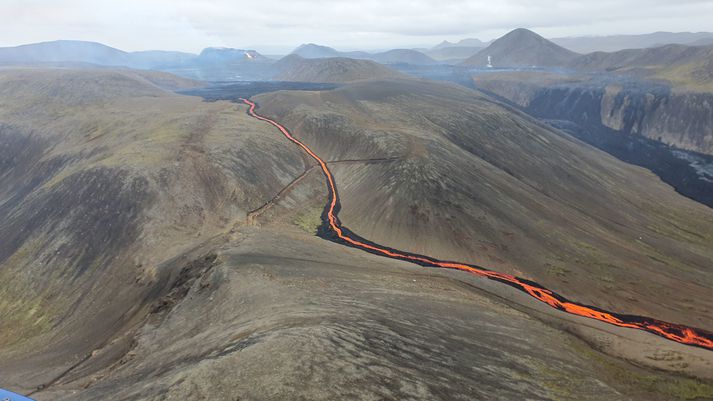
330, 70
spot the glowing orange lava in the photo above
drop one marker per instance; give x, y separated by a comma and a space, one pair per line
675, 332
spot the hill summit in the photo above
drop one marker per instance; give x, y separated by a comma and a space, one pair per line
522, 48
330, 70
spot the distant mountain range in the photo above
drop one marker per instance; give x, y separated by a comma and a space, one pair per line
685, 65
72, 51
621, 42
470, 42
208, 64
395, 56
584, 44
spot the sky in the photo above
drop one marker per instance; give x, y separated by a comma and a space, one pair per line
278, 26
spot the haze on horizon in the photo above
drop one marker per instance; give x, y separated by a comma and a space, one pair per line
277, 26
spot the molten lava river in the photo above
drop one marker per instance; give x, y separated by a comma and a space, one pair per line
332, 229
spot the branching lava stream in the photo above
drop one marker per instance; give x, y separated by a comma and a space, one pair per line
332, 229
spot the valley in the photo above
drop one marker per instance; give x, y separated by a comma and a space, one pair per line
333, 229
503, 219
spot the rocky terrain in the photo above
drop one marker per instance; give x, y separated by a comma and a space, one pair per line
162, 248
644, 123
680, 119
213, 64
394, 56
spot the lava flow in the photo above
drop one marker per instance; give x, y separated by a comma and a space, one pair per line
332, 229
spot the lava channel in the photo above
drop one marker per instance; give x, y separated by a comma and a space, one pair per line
332, 229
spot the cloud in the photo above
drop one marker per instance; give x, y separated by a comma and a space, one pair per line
282, 24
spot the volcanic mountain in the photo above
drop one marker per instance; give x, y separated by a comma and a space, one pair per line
522, 48
330, 70
163, 247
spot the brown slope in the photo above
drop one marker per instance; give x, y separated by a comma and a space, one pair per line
480, 183
522, 48
108, 184
279, 313
286, 315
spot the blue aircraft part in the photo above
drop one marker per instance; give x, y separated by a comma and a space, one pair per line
9, 396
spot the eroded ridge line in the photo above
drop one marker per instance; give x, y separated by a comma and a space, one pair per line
333, 230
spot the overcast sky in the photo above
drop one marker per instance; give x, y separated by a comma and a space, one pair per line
277, 26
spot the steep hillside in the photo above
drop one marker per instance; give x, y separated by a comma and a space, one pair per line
395, 56
471, 180
522, 48
109, 187
646, 124
330, 70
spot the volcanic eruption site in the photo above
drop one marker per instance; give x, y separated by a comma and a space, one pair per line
332, 229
